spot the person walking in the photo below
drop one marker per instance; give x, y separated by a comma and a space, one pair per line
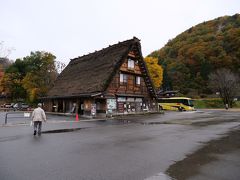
226, 106
38, 115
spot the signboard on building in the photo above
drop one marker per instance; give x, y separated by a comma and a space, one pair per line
121, 99
138, 100
130, 99
120, 107
111, 104
93, 110
26, 114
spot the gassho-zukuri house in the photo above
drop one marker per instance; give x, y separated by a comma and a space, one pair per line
114, 80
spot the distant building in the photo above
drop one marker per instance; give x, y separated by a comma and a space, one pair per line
166, 94
110, 81
237, 98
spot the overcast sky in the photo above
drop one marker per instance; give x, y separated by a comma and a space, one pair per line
72, 28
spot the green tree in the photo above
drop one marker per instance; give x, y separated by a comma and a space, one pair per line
41, 73
11, 86
190, 57
30, 77
11, 82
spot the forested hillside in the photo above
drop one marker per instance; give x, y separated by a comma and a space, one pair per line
189, 58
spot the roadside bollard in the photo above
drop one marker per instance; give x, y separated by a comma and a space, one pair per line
6, 118
77, 119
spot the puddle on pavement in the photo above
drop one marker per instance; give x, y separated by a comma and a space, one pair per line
192, 122
190, 166
198, 111
62, 130
11, 138
114, 122
214, 122
160, 176
153, 123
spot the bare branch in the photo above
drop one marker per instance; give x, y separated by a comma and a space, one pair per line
5, 52
226, 83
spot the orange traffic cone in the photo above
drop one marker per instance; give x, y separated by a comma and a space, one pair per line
77, 119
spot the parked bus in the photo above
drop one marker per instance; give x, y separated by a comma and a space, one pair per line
176, 103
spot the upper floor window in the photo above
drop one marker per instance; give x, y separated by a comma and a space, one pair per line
130, 64
137, 80
123, 78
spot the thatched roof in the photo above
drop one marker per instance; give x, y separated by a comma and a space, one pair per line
90, 74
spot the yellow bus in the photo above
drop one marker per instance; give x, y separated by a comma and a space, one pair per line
176, 103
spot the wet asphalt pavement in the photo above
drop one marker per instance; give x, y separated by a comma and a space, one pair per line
133, 147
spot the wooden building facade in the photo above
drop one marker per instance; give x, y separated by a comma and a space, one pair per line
114, 80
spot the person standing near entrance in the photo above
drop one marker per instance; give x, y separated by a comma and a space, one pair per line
38, 115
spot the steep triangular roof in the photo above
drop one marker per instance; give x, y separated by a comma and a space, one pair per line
92, 73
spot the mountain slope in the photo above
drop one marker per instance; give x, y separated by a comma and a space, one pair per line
189, 58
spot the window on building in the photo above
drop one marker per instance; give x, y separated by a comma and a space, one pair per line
137, 80
130, 64
123, 78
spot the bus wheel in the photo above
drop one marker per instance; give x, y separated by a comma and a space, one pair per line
180, 109
160, 108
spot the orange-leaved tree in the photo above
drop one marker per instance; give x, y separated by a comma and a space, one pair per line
155, 71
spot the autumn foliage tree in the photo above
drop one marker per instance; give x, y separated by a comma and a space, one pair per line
41, 73
189, 58
155, 71
4, 61
30, 77
11, 82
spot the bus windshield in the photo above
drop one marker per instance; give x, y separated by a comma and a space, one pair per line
190, 103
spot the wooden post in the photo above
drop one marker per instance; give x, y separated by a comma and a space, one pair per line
77, 105
64, 106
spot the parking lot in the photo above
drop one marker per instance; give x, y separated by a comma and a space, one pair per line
130, 147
